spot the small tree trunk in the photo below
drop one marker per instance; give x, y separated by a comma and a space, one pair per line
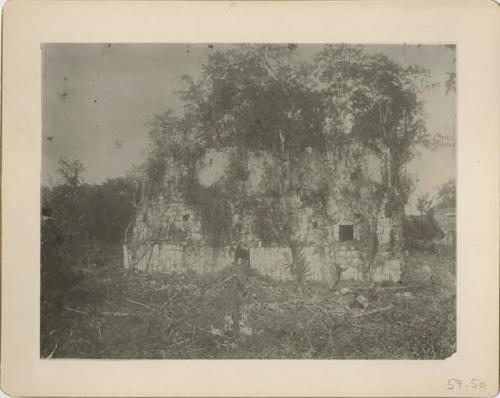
241, 265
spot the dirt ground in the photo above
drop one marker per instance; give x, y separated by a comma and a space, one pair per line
114, 313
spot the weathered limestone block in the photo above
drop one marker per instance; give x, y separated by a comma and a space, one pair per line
350, 273
389, 271
258, 163
270, 261
384, 230
314, 262
181, 258
373, 168
214, 165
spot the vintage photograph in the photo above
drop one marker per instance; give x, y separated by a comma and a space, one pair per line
248, 201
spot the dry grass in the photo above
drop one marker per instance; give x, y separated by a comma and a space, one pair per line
113, 313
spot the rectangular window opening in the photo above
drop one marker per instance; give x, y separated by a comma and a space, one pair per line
346, 233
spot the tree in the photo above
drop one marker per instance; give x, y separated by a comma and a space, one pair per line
254, 96
70, 171
376, 102
425, 206
249, 98
343, 106
446, 195
90, 218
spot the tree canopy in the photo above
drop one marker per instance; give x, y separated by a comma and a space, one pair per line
255, 96
269, 97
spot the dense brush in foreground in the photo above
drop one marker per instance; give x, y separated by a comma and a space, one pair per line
113, 313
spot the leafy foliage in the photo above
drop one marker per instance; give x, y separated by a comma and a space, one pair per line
446, 196
423, 232
376, 102
251, 98
82, 227
425, 206
254, 96
420, 232
215, 212
91, 215
70, 171
265, 97
296, 263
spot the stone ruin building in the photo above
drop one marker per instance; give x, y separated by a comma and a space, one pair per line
169, 236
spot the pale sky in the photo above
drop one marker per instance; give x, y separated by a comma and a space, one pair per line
98, 98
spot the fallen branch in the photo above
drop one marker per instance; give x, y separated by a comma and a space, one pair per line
169, 301
223, 281
99, 330
83, 270
376, 311
141, 304
52, 353
195, 350
410, 315
73, 310
108, 313
104, 313
371, 326
177, 343
384, 288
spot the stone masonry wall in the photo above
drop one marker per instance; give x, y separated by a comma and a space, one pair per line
168, 237
268, 261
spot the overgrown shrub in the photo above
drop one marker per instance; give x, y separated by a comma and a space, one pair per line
420, 233
296, 263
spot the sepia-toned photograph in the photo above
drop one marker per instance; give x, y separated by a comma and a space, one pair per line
248, 201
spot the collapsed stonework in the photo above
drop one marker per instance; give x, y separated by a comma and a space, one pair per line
169, 233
